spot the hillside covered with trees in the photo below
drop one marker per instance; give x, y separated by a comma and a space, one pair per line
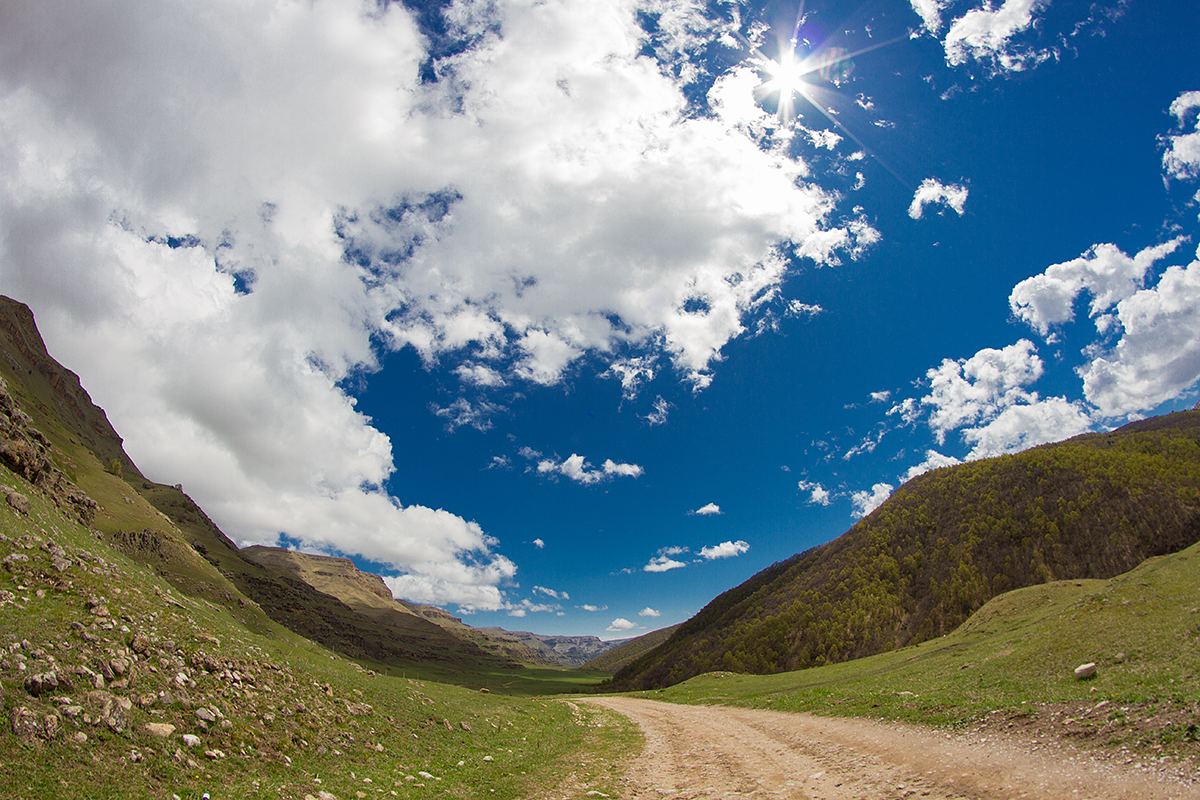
944, 544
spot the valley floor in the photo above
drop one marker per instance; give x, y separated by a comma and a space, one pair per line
697, 752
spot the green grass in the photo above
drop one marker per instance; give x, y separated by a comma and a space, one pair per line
288, 736
1012, 665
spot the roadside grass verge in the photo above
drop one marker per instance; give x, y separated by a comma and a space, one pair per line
1011, 666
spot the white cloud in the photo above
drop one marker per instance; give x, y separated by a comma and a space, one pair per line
1181, 156
724, 550
931, 191
539, 544
462, 412
633, 373
625, 470
587, 607
479, 375
975, 389
930, 12
1022, 426
335, 203
818, 494
551, 593
866, 501
1105, 272
1158, 355
621, 624
867, 445
881, 397
933, 460
659, 415
985, 34
578, 469
649, 612
795, 308
908, 409
663, 564
712, 509
527, 606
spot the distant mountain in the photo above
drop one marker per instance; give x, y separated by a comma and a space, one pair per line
369, 596
570, 651
945, 543
627, 650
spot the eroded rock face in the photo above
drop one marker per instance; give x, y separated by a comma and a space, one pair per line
26, 451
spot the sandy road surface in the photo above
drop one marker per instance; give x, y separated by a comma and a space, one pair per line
720, 752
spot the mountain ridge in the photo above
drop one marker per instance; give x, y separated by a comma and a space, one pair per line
162, 527
947, 541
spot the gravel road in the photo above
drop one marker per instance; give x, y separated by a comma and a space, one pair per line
722, 752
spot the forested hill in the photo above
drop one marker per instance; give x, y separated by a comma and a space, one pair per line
946, 542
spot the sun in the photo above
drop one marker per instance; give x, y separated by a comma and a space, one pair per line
786, 75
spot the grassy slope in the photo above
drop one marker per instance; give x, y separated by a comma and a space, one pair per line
1011, 665
628, 651
290, 718
944, 544
400, 640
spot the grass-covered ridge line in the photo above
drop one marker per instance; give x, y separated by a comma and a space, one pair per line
943, 545
1011, 667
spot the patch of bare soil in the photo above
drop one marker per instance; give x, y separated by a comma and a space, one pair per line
697, 752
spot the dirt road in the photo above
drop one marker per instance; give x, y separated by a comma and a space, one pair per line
720, 752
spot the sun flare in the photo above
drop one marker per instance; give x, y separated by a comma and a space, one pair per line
786, 75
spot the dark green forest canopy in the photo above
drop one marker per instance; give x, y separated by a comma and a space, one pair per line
944, 544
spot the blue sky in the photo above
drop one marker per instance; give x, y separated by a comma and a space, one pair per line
552, 312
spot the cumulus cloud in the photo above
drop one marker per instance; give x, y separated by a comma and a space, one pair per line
933, 192
986, 34
1104, 272
1158, 354
712, 509
965, 391
724, 550
551, 593
930, 12
865, 501
578, 469
620, 625
818, 494
539, 544
479, 375
1157, 327
933, 460
527, 606
587, 607
664, 560
234, 206
663, 564
649, 612
1181, 155
1022, 426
